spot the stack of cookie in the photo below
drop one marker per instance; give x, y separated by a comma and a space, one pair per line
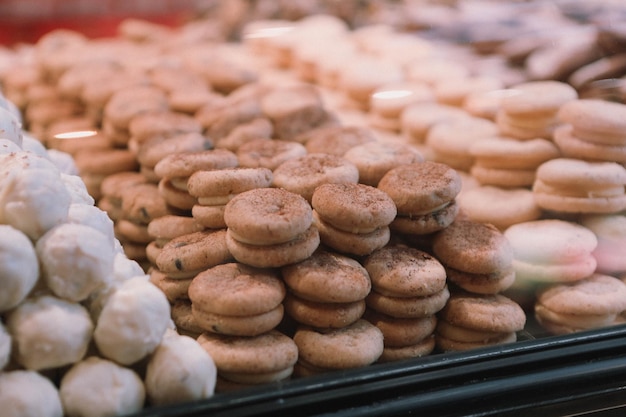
408, 290
478, 261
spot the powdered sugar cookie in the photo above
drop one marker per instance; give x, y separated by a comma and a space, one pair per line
19, 267
17, 387
125, 392
58, 332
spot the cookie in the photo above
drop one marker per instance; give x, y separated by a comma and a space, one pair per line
19, 266
450, 142
259, 128
275, 255
264, 153
337, 140
403, 332
375, 159
302, 175
183, 318
112, 190
327, 277
361, 76
251, 360
418, 350
359, 344
165, 228
63, 342
267, 216
455, 91
572, 146
359, 244
417, 119
590, 303
597, 121
562, 254
237, 299
160, 124
508, 162
501, 207
574, 186
473, 320
610, 231
424, 194
94, 165
125, 104
484, 104
142, 203
17, 385
407, 307
187, 255
531, 110
293, 109
323, 315
174, 289
389, 100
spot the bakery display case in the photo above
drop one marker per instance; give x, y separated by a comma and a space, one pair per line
313, 208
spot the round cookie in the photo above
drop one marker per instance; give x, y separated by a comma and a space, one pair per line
418, 118
359, 244
237, 299
182, 165
17, 399
575, 186
260, 128
596, 121
185, 256
337, 140
408, 307
352, 207
173, 288
167, 227
502, 207
402, 332
472, 314
359, 344
572, 146
586, 304
251, 360
551, 251
401, 271
327, 277
265, 153
323, 315
610, 230
276, 255
375, 159
267, 216
19, 267
302, 175
223, 184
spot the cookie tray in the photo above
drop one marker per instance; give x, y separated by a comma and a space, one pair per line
551, 376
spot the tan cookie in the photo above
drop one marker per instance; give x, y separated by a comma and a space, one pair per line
127, 103
167, 227
323, 315
264, 153
187, 255
418, 350
424, 194
259, 128
610, 230
450, 142
237, 299
478, 320
454, 92
142, 203
484, 104
359, 344
530, 111
276, 255
575, 186
251, 360
572, 146
359, 244
112, 190
96, 164
184, 320
302, 175
408, 307
417, 119
401, 271
337, 140
375, 159
507, 162
551, 251
327, 277
161, 124
586, 304
293, 109
597, 121
502, 207
389, 100
174, 289
182, 165
402, 332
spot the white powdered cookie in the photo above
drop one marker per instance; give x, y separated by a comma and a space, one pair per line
19, 267
18, 397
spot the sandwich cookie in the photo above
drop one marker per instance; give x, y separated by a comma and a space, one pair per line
337, 139
259, 128
174, 170
510, 163
477, 257
353, 218
610, 230
590, 303
424, 194
388, 101
531, 110
406, 282
568, 185
550, 251
270, 227
214, 188
185, 256
265, 153
326, 290
470, 321
249, 361
304, 174
155, 125
357, 345
94, 165
417, 119
165, 228
236, 299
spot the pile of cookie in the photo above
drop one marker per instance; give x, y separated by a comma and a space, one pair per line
290, 203
80, 320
